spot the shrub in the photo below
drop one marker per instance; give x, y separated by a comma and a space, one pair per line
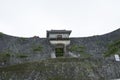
81, 50
77, 48
22, 40
38, 48
4, 57
7, 54
22, 56
113, 48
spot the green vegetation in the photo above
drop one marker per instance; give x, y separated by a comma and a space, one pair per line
113, 48
98, 42
77, 48
56, 78
1, 34
54, 69
22, 56
83, 62
37, 48
18, 67
22, 40
85, 55
65, 59
4, 57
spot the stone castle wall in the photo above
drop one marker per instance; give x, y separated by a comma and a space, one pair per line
19, 50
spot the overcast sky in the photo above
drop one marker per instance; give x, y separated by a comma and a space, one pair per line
26, 18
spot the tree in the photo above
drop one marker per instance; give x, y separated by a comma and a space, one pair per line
113, 49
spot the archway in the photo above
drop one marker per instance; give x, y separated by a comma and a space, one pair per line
59, 50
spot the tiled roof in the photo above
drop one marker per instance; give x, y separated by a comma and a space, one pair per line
61, 31
58, 31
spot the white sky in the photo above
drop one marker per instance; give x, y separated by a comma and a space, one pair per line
27, 18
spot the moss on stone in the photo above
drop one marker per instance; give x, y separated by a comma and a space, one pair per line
77, 48
56, 69
37, 48
4, 56
80, 49
112, 49
21, 55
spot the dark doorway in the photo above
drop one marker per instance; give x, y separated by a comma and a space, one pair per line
59, 50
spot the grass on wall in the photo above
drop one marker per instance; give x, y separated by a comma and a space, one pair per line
61, 65
37, 48
113, 48
22, 56
4, 57
79, 49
